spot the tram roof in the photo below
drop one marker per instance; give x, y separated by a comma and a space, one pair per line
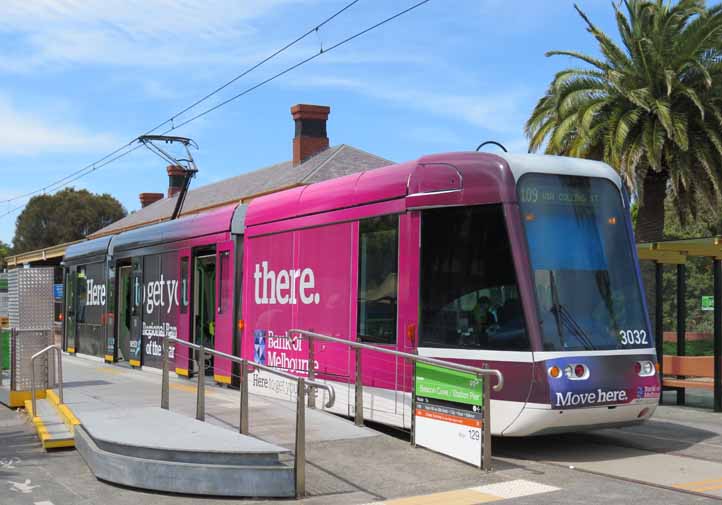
333, 162
677, 251
494, 173
87, 251
196, 225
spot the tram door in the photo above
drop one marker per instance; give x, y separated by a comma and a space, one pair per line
71, 298
204, 305
123, 319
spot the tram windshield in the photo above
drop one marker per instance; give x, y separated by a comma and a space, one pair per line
584, 274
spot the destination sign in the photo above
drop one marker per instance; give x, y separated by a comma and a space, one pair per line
544, 194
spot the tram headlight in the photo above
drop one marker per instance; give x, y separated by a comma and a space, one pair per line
576, 371
555, 372
644, 368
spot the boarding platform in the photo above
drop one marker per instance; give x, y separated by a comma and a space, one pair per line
151, 448
111, 415
154, 449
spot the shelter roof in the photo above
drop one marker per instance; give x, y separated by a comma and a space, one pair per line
677, 251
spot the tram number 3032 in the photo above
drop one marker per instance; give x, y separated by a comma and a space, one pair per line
633, 337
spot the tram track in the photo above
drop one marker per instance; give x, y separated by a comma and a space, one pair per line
511, 456
611, 476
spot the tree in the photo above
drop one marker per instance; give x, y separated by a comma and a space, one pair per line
651, 108
5, 251
63, 217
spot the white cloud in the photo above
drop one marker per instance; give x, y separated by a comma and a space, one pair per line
494, 111
23, 133
128, 32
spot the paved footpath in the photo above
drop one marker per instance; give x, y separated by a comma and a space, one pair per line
341, 468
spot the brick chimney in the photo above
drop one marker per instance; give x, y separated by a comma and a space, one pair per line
311, 137
176, 175
148, 198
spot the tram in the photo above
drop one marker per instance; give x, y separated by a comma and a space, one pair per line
524, 263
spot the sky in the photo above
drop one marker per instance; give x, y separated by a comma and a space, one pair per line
80, 78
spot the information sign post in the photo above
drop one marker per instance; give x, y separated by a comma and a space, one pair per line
449, 413
708, 303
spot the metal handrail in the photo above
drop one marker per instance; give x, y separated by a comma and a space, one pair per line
303, 386
414, 358
59, 354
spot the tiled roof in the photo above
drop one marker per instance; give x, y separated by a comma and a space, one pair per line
333, 162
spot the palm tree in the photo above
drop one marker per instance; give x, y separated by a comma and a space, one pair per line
651, 107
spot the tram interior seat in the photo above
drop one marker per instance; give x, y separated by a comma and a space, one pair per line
452, 327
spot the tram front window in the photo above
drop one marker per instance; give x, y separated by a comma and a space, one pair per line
469, 295
584, 274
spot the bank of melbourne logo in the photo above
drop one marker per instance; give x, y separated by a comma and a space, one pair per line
259, 346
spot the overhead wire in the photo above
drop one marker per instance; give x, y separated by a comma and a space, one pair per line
105, 160
93, 166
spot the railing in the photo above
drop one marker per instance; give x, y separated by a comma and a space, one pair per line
302, 388
1, 357
414, 358
35, 356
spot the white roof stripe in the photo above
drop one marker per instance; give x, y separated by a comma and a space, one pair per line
521, 164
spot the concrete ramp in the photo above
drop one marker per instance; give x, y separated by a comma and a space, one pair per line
151, 448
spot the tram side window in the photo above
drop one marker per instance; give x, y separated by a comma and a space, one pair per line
377, 279
469, 294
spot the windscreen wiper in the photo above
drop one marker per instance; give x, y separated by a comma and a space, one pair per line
564, 316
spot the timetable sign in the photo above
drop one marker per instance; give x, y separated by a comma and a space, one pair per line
449, 412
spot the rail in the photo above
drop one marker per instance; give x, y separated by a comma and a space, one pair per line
35, 356
302, 388
414, 358
2, 357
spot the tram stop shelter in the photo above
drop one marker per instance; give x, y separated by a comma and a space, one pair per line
681, 372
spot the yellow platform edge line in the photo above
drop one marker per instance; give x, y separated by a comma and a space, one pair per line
689, 485
457, 497
68, 417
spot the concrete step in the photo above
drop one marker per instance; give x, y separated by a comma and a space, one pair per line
50, 425
152, 448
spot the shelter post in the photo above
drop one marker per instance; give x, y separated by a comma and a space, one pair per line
681, 321
717, 266
659, 312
